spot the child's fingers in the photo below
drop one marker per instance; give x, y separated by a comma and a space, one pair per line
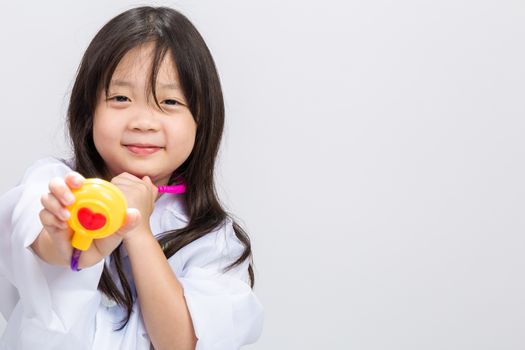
48, 219
60, 189
74, 180
51, 203
59, 233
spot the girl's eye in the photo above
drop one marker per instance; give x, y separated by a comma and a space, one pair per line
172, 102
120, 98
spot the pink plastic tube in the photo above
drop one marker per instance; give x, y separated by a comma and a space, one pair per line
176, 189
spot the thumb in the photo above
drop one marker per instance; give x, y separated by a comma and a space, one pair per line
153, 187
147, 179
131, 221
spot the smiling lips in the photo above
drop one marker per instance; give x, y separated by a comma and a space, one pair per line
142, 149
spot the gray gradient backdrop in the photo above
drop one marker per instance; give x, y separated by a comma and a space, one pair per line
373, 150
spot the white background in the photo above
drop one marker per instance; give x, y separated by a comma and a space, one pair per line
373, 150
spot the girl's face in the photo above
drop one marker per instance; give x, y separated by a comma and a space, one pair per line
130, 132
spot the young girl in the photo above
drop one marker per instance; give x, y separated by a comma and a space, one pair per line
146, 110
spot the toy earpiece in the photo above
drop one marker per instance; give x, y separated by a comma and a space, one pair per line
99, 211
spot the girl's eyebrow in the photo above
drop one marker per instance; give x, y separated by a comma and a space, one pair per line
172, 86
118, 82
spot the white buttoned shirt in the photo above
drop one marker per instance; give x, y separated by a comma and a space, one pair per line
53, 307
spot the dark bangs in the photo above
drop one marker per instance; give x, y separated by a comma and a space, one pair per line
124, 33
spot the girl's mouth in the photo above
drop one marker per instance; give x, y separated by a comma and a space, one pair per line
142, 149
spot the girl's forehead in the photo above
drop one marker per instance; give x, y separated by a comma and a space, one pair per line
137, 63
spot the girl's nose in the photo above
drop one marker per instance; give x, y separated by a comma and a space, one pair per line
144, 120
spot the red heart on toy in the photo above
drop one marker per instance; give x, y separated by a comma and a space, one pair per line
90, 220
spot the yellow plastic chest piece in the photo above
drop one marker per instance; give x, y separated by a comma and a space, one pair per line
99, 211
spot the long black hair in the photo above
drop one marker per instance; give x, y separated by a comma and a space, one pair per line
172, 33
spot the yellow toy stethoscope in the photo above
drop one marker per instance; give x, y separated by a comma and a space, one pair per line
99, 210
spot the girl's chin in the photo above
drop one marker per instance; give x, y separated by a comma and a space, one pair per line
156, 179
153, 178
136, 174
140, 176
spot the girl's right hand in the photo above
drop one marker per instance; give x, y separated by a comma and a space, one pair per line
53, 244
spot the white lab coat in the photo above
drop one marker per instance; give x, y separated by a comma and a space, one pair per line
61, 309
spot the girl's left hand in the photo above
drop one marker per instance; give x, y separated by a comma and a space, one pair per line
141, 195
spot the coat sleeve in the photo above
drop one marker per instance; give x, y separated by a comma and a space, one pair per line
225, 312
57, 306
